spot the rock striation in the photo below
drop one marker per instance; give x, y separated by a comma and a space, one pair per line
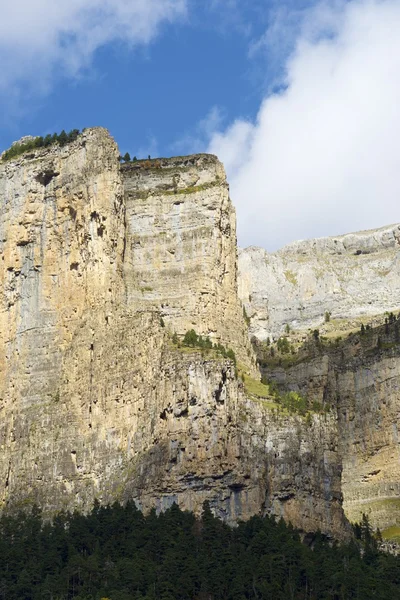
350, 276
99, 266
356, 278
359, 378
181, 255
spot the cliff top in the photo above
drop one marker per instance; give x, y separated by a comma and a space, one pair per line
32, 146
191, 160
360, 242
351, 277
29, 147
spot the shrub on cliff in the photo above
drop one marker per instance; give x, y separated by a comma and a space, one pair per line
193, 340
283, 345
294, 402
62, 138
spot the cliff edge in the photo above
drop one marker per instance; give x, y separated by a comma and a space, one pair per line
100, 266
351, 276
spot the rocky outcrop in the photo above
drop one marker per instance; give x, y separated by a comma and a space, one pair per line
181, 255
99, 266
359, 378
135, 417
349, 276
61, 261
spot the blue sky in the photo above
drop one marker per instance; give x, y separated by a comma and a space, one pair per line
152, 95
284, 92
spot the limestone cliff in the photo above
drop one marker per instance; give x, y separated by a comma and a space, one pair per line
99, 266
359, 378
181, 255
350, 276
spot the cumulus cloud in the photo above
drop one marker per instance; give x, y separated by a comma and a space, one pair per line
323, 156
41, 39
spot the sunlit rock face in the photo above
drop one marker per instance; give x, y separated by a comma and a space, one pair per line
350, 276
181, 254
354, 278
100, 265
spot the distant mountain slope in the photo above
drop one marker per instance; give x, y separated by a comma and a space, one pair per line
349, 276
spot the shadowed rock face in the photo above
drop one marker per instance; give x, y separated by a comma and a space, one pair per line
99, 266
353, 277
361, 382
349, 276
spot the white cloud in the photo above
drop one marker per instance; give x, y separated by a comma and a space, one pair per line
323, 156
234, 146
41, 39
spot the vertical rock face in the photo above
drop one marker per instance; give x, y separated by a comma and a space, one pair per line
369, 420
350, 276
181, 255
361, 382
60, 257
353, 277
61, 253
98, 268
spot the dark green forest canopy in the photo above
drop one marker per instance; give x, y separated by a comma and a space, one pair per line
119, 554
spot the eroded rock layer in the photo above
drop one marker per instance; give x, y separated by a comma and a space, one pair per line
181, 255
349, 276
99, 267
359, 378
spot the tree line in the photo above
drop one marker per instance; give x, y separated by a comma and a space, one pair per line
117, 553
62, 139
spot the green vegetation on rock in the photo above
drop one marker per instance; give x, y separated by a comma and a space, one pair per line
391, 533
291, 277
62, 139
294, 402
192, 340
253, 387
192, 189
289, 402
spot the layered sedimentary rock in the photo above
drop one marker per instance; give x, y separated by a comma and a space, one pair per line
360, 379
134, 417
349, 276
61, 249
98, 268
181, 247
352, 277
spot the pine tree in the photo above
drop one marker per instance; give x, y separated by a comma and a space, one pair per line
62, 138
191, 338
